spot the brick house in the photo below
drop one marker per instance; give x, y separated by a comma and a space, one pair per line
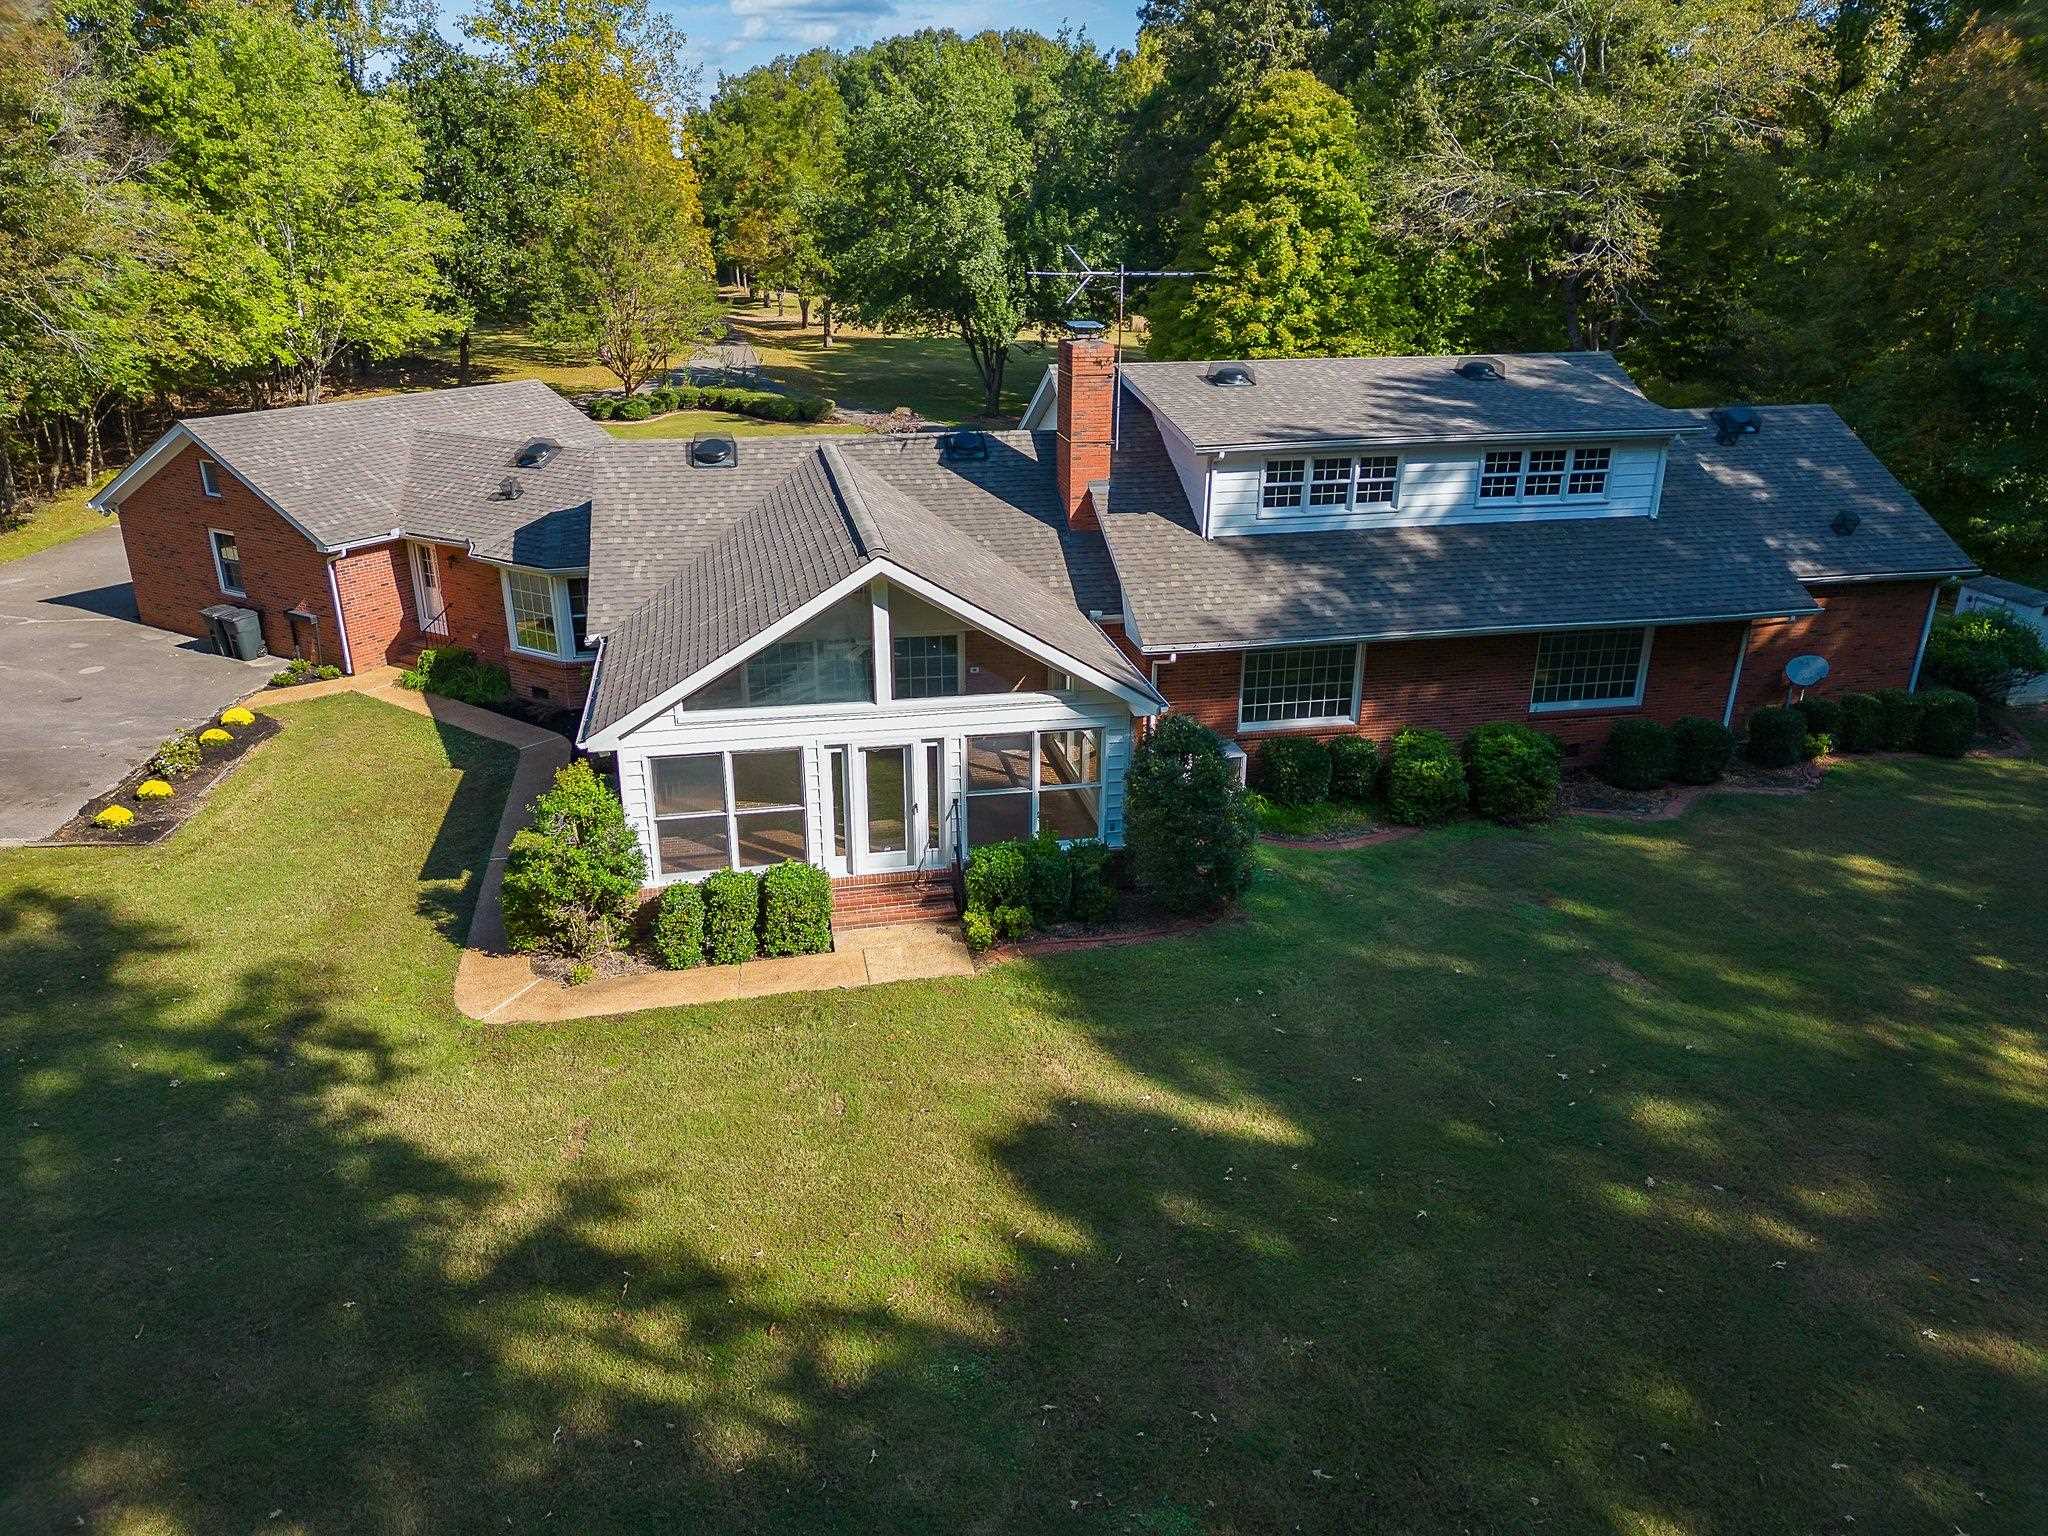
875, 653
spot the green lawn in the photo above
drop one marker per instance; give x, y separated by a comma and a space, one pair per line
1326, 819
62, 518
690, 423
933, 375
1668, 1179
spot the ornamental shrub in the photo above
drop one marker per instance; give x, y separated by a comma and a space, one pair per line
796, 909
300, 670
178, 757
1189, 830
732, 916
603, 407
663, 399
1777, 737
1948, 721
153, 789
1048, 880
237, 716
1425, 778
814, 408
1639, 754
1093, 867
455, 673
1862, 727
996, 876
1899, 712
1823, 715
114, 816
979, 929
635, 409
571, 878
1012, 922
214, 736
1514, 772
678, 932
1293, 770
1985, 653
1701, 750
688, 397
1354, 768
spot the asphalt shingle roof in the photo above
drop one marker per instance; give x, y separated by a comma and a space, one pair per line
1400, 399
456, 492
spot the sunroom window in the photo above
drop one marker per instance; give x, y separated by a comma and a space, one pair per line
1023, 782
1590, 669
1298, 685
727, 810
828, 661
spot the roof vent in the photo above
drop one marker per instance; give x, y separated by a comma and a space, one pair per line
1482, 370
714, 450
509, 488
536, 453
1233, 376
958, 447
1847, 521
1734, 422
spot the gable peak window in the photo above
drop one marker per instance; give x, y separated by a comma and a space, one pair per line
1544, 474
209, 478
227, 562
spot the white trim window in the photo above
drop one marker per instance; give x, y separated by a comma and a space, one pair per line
1545, 474
727, 810
1344, 483
1590, 669
927, 667
1298, 685
209, 479
1021, 783
227, 561
1280, 489
546, 613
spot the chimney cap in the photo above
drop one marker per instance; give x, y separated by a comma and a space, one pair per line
1086, 330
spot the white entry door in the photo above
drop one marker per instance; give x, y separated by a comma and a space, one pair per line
886, 828
426, 590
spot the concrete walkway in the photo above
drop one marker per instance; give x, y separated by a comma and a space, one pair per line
494, 984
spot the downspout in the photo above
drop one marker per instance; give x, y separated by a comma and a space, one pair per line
1735, 682
1926, 629
1164, 661
348, 664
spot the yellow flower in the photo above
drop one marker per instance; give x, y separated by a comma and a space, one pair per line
153, 789
237, 716
114, 816
213, 736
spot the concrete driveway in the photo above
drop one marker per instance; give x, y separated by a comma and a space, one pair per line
85, 690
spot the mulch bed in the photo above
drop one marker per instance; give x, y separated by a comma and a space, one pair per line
156, 820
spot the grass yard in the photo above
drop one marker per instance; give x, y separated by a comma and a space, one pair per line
690, 423
1663, 1179
62, 518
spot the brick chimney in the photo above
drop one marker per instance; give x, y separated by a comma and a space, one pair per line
1087, 381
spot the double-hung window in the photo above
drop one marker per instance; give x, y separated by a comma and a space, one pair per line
1299, 685
1023, 782
1590, 669
727, 810
1329, 483
227, 561
1282, 487
547, 615
1335, 484
1545, 474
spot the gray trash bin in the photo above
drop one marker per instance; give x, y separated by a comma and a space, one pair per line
236, 631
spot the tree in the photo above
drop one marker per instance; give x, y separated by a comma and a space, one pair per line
306, 228
485, 158
1568, 127
1279, 214
1190, 828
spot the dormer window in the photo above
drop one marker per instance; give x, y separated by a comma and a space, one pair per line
1329, 484
1282, 489
1545, 474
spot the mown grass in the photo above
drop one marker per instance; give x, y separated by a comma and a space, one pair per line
1326, 819
1662, 1178
57, 521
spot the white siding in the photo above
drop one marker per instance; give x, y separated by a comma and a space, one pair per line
1437, 485
1192, 468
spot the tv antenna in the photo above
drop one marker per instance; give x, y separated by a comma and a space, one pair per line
1081, 274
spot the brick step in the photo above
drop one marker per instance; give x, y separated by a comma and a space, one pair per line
909, 896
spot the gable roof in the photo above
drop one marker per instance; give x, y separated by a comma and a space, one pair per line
1401, 399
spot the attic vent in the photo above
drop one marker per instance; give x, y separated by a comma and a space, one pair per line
1846, 521
958, 447
1232, 376
509, 488
714, 450
1733, 422
536, 453
1481, 370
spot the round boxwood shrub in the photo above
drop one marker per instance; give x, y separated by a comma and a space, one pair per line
1777, 737
1354, 768
796, 909
1092, 867
1899, 712
979, 929
1701, 750
678, 933
603, 407
1823, 716
1986, 653
1425, 778
1639, 754
635, 409
572, 877
1188, 827
1862, 724
1948, 721
1293, 770
1514, 772
732, 916
995, 876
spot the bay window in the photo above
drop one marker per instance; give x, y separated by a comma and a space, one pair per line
727, 810
1590, 669
545, 613
1298, 685
1023, 782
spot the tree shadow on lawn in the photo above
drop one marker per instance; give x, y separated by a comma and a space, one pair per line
1457, 1190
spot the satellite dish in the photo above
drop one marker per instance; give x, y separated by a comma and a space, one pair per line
1805, 671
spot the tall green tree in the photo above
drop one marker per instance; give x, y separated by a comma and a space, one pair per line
1280, 215
306, 223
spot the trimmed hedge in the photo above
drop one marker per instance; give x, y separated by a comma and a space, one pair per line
796, 909
762, 404
1701, 750
1899, 715
1029, 883
1048, 880
678, 932
639, 408
1862, 727
732, 916
1293, 770
1777, 737
1189, 828
1514, 772
1425, 778
1094, 868
1354, 768
1823, 715
996, 876
1638, 754
1948, 722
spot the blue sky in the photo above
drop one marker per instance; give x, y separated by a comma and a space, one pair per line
733, 35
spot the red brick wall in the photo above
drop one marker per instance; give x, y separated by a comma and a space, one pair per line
164, 526
1868, 631
1003, 668
1454, 685
475, 595
377, 600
